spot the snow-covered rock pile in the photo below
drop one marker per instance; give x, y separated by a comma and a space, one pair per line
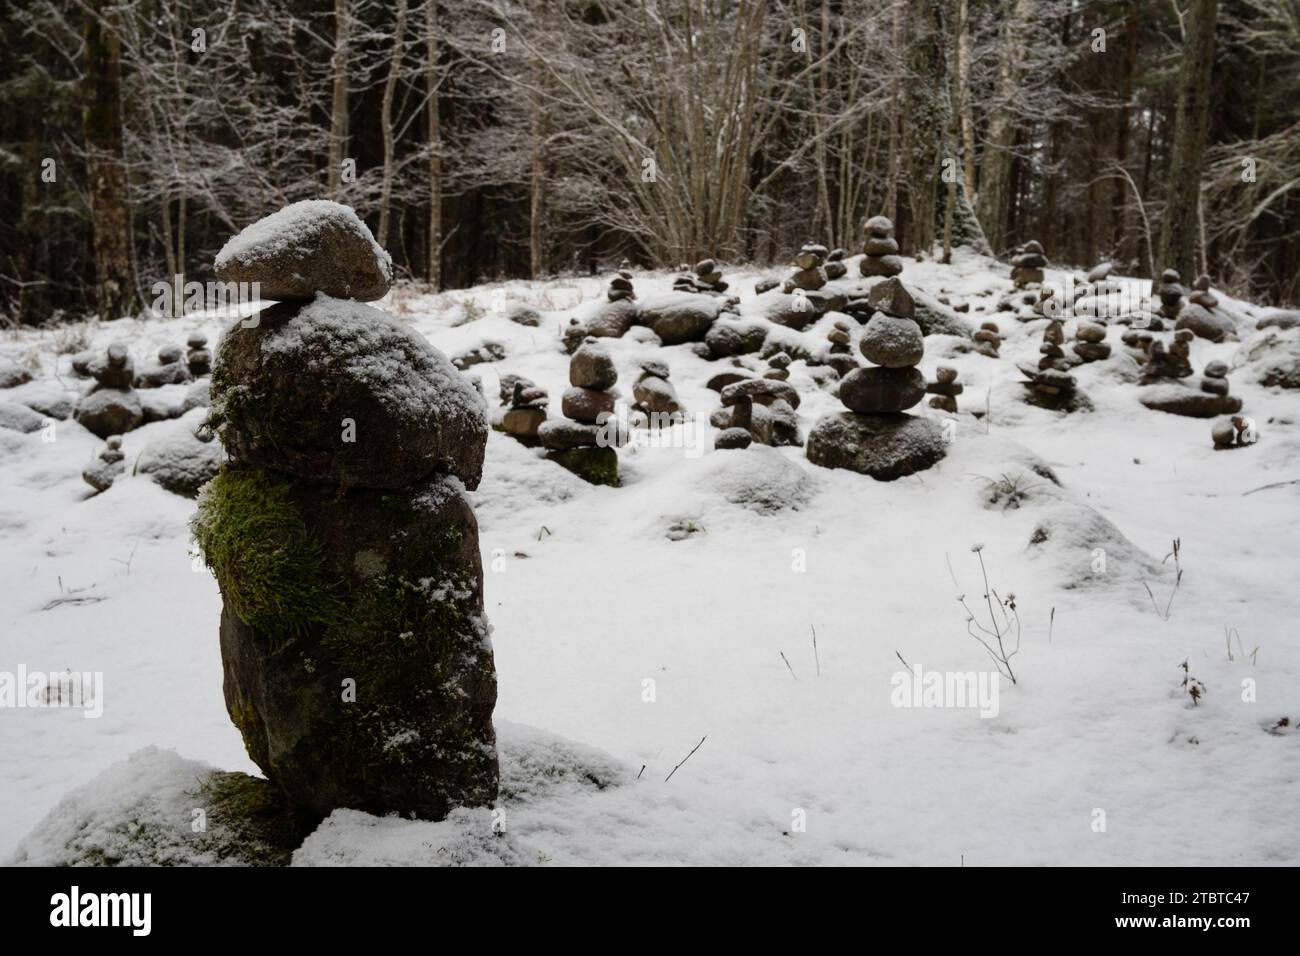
358, 666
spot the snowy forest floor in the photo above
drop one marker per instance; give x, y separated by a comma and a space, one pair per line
679, 577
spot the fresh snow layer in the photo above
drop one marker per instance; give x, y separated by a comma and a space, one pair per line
638, 620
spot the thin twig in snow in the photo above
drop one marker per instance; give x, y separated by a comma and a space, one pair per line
687, 757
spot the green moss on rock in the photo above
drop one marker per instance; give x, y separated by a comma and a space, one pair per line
596, 465
266, 561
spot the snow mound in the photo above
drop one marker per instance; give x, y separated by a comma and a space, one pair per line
535, 764
146, 811
465, 838
759, 478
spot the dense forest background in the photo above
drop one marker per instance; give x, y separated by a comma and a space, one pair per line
494, 139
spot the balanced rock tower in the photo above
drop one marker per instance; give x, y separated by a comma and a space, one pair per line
357, 658
875, 437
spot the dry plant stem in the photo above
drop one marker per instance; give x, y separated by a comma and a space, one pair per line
994, 632
686, 758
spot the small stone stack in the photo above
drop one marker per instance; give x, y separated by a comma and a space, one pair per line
1171, 292
585, 443
763, 406
881, 249
1201, 294
1053, 356
357, 658
1164, 366
111, 407
170, 369
654, 395
778, 367
101, 473
875, 437
527, 408
1090, 341
839, 353
945, 389
197, 356
988, 339
1028, 264
620, 287
574, 334
706, 277
1202, 315
834, 265
810, 274
1212, 399
1050, 385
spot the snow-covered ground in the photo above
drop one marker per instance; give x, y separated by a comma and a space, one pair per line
683, 578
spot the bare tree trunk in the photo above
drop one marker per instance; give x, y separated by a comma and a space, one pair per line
537, 179
1179, 232
964, 100
339, 106
435, 147
1118, 204
386, 120
105, 163
995, 176
897, 33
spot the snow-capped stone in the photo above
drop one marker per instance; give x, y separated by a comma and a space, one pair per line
877, 390
892, 342
592, 367
110, 411
335, 391
885, 447
309, 247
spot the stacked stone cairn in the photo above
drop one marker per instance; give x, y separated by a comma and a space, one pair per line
988, 339
170, 369
584, 441
945, 389
706, 277
1209, 401
764, 407
834, 265
839, 351
112, 406
1164, 366
810, 273
1202, 315
875, 437
357, 657
1171, 292
103, 471
654, 396
881, 249
525, 408
1028, 264
197, 356
620, 287
778, 367
1090, 341
1050, 385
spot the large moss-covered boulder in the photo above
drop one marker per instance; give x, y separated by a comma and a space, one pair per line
335, 391
596, 464
357, 659
305, 248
